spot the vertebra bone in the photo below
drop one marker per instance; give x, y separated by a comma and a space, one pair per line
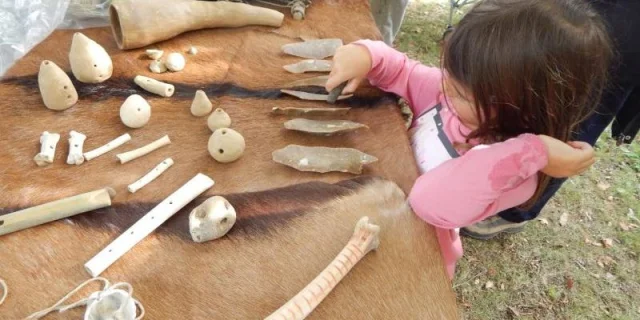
154, 86
137, 153
151, 175
212, 219
48, 142
76, 141
90, 63
107, 147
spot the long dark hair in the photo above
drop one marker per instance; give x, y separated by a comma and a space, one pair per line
532, 66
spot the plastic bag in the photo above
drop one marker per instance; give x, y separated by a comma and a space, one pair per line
83, 14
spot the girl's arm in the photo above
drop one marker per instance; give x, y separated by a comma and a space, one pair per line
393, 71
479, 184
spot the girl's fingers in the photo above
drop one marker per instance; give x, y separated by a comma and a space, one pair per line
352, 85
335, 79
580, 145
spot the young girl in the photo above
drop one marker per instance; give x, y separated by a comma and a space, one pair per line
516, 77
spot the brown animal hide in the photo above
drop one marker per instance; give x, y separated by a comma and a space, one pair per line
290, 225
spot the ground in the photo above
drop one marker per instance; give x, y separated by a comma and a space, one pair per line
580, 259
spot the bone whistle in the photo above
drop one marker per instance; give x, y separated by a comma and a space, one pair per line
107, 147
55, 210
137, 153
48, 142
76, 142
365, 238
148, 223
154, 86
151, 175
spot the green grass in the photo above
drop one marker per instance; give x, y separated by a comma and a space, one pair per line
551, 271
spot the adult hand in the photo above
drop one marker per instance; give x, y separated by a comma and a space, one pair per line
567, 159
351, 63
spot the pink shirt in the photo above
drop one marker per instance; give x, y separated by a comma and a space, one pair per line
464, 190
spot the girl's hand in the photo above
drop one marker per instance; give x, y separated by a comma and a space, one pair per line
567, 159
350, 63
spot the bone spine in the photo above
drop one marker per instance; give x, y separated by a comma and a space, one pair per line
56, 89
48, 142
365, 238
56, 210
137, 153
107, 147
154, 86
175, 62
90, 63
148, 223
201, 105
76, 143
151, 175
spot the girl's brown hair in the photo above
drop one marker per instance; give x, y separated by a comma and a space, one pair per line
532, 66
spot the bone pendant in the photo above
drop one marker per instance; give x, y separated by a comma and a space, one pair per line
151, 175
365, 239
76, 142
154, 86
319, 81
312, 96
90, 63
107, 147
218, 119
322, 159
212, 219
157, 66
175, 62
292, 111
326, 127
135, 112
313, 49
309, 66
154, 54
56, 89
137, 153
226, 145
201, 105
48, 142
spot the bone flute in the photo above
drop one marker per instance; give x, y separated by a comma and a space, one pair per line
365, 238
107, 147
137, 153
151, 175
55, 210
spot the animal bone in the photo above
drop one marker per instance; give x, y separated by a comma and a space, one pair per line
90, 63
319, 81
226, 145
313, 49
76, 142
151, 175
366, 237
154, 54
135, 112
137, 153
107, 147
148, 223
322, 159
291, 111
201, 105
312, 96
154, 86
309, 65
157, 66
175, 61
211, 220
193, 50
298, 9
48, 142
55, 210
218, 119
326, 127
56, 88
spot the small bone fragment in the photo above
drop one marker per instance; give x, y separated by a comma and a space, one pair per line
76, 142
365, 239
298, 9
154, 54
48, 142
157, 66
193, 50
312, 96
309, 65
175, 62
226, 145
313, 49
211, 220
107, 147
319, 81
137, 153
323, 159
55, 210
90, 63
201, 105
292, 111
154, 86
135, 112
323, 127
151, 175
148, 223
56, 88
218, 119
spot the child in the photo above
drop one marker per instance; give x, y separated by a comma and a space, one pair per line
516, 77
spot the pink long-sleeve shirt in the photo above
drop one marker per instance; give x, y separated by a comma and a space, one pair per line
476, 184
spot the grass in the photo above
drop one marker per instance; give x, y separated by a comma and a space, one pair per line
551, 271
